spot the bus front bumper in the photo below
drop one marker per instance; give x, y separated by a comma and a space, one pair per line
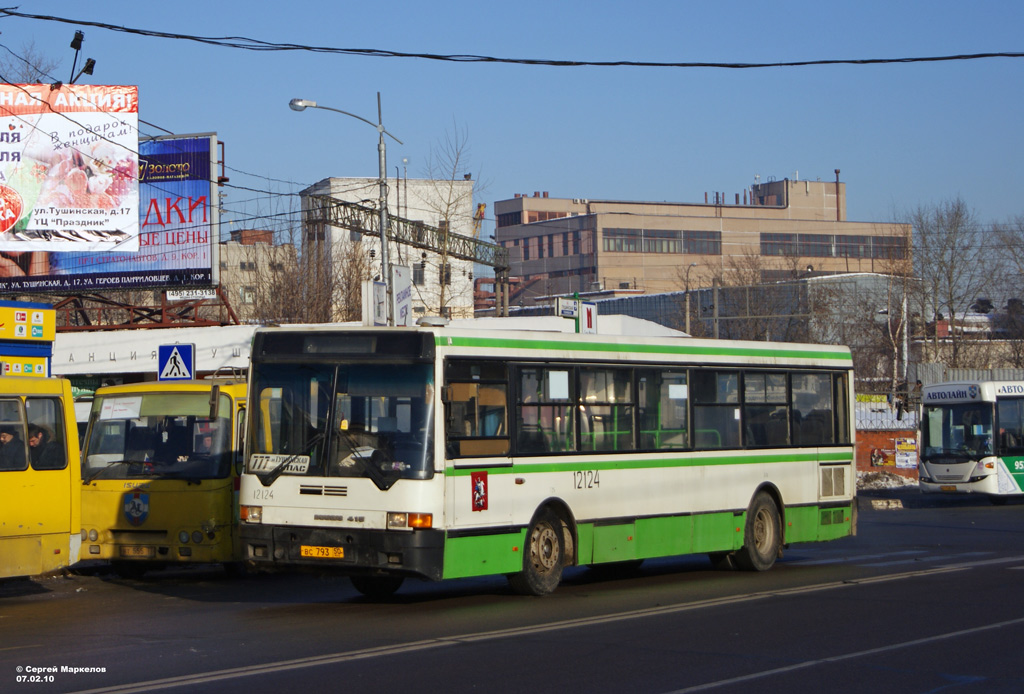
417, 552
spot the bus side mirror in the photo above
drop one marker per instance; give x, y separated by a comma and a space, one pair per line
214, 401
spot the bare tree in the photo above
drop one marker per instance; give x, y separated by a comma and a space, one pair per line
447, 170
748, 308
1009, 239
950, 262
307, 281
30, 67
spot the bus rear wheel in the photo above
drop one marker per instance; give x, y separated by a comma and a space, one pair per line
377, 587
543, 557
762, 535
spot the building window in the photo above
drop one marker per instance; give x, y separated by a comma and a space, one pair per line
248, 295
702, 242
662, 241
445, 274
888, 247
853, 246
419, 274
510, 219
779, 244
621, 240
816, 245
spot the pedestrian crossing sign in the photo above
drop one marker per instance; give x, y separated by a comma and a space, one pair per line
176, 362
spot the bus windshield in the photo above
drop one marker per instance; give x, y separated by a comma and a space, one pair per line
347, 420
957, 430
165, 435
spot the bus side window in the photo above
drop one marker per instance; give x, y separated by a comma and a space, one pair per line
478, 420
47, 441
12, 436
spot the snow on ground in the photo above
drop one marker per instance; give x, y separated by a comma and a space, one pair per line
883, 479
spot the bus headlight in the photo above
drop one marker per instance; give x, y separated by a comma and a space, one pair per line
93, 536
404, 521
252, 514
183, 537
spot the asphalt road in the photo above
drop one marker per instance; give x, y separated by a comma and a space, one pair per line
927, 597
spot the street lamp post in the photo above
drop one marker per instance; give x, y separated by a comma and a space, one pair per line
688, 268
385, 266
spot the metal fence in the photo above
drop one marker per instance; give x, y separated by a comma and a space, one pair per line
884, 412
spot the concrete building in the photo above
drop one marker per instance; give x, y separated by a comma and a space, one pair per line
441, 286
778, 230
246, 262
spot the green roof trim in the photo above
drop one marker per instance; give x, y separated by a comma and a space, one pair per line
574, 464
821, 352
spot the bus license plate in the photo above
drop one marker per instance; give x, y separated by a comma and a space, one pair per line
318, 552
948, 488
136, 551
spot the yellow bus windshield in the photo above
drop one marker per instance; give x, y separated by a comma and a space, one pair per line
166, 435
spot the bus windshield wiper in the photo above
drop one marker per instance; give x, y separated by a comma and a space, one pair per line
377, 474
95, 474
268, 478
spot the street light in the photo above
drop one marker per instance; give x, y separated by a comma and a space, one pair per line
302, 105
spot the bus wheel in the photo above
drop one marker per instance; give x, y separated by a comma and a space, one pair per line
377, 587
762, 536
542, 557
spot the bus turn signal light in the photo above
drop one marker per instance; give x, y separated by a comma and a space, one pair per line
251, 514
401, 521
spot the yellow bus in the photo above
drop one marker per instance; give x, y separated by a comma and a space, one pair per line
40, 504
160, 474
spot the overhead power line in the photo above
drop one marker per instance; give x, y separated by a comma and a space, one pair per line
245, 43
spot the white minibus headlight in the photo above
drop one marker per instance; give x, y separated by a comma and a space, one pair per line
252, 514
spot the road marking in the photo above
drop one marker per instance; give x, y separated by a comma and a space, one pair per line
847, 559
477, 637
846, 656
930, 558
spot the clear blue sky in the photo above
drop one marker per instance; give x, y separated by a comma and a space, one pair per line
903, 135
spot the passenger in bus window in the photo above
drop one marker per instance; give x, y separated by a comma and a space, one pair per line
12, 449
44, 451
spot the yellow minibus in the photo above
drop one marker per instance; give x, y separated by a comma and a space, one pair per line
160, 474
40, 501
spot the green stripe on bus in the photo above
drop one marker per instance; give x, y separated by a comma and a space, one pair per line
682, 349
640, 464
644, 538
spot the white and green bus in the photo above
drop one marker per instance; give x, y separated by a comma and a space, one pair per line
972, 438
442, 452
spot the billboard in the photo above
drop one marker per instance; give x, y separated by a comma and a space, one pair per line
85, 206
68, 163
177, 220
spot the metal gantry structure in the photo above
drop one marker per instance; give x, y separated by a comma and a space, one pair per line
328, 211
